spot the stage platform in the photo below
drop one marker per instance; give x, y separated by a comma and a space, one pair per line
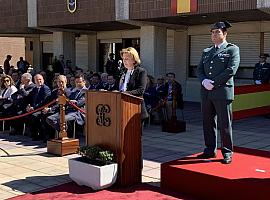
247, 177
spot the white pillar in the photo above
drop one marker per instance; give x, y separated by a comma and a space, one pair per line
180, 59
34, 54
32, 13
92, 52
153, 49
64, 43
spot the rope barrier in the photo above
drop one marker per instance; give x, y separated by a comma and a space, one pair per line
75, 106
29, 113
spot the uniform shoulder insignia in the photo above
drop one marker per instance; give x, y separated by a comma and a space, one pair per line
230, 44
207, 49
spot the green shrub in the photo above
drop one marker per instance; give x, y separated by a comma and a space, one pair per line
95, 154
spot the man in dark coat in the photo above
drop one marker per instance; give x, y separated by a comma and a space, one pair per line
22, 65
7, 64
59, 65
172, 87
217, 67
37, 99
20, 102
261, 73
111, 66
112, 85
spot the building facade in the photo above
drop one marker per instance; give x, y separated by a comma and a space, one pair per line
169, 34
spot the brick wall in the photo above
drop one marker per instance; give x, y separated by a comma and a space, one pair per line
210, 6
12, 46
142, 9
13, 15
55, 12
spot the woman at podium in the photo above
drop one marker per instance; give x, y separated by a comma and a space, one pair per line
134, 78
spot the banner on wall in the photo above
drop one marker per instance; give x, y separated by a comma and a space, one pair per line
71, 5
184, 6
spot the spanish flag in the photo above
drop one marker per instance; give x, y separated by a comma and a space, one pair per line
184, 6
251, 100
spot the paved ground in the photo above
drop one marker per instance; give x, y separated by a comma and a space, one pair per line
29, 168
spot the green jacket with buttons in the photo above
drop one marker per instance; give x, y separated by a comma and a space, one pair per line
220, 66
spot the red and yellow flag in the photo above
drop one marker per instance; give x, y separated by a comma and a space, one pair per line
184, 6
251, 100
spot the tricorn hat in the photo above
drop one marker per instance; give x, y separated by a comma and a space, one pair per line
264, 55
221, 25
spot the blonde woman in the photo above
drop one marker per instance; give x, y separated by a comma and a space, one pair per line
134, 78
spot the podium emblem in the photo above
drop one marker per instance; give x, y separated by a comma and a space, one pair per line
71, 5
102, 118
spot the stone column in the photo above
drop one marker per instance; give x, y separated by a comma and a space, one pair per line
32, 13
64, 43
93, 52
153, 49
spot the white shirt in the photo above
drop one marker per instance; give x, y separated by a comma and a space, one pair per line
127, 77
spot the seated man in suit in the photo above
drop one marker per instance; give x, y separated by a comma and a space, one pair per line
172, 87
261, 73
20, 101
37, 99
47, 131
95, 82
111, 86
78, 98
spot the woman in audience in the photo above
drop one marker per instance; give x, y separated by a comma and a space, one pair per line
7, 89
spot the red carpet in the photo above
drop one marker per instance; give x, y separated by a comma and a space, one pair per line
71, 190
247, 177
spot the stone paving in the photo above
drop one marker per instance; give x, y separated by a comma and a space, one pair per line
29, 168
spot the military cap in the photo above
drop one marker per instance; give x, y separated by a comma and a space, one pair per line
264, 55
221, 25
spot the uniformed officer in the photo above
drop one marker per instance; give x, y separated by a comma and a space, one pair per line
216, 70
261, 73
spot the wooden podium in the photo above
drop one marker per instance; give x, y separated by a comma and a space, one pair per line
114, 122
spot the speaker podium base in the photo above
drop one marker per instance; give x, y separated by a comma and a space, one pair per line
62, 147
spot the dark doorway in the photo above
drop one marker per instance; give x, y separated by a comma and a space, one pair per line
104, 50
47, 59
132, 42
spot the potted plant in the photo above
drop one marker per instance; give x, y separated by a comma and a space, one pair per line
94, 168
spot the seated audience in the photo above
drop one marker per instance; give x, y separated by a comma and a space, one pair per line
78, 98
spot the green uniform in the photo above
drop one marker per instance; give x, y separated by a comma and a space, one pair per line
220, 66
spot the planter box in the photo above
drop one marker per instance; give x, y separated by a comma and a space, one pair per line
96, 177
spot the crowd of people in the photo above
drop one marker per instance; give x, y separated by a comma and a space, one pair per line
23, 91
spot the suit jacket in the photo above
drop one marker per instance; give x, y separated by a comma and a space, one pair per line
23, 66
96, 87
79, 96
19, 98
137, 85
112, 87
39, 96
178, 92
220, 66
262, 72
59, 66
137, 81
